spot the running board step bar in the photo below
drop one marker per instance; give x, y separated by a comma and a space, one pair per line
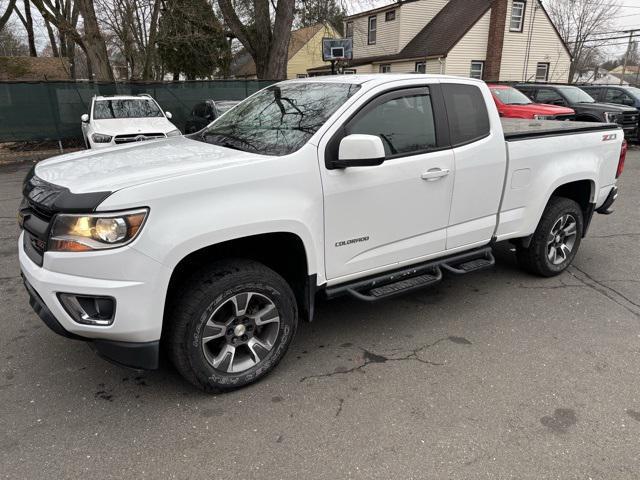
417, 276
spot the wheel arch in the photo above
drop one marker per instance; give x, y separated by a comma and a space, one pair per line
283, 252
582, 191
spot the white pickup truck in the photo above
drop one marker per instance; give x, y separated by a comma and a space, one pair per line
214, 245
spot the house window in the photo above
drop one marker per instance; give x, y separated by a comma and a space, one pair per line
349, 71
373, 26
301, 75
517, 16
542, 72
390, 16
349, 30
421, 67
385, 68
477, 69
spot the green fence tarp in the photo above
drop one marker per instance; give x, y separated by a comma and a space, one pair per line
52, 110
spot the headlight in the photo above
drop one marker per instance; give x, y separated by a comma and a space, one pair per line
101, 138
612, 117
174, 133
82, 233
543, 117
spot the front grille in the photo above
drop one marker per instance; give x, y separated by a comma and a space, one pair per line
138, 137
630, 119
565, 118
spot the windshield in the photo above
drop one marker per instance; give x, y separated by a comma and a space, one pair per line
225, 105
511, 96
576, 95
279, 119
634, 91
133, 108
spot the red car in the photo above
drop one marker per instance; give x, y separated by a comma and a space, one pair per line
513, 103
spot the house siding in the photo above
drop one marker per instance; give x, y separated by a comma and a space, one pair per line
310, 55
386, 35
546, 47
415, 16
473, 46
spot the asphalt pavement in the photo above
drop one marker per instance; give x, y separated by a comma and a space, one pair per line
493, 375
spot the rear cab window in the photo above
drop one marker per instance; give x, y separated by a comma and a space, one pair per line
467, 113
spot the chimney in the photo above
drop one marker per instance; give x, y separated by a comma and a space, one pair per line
495, 43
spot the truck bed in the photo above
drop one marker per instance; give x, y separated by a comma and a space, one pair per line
522, 129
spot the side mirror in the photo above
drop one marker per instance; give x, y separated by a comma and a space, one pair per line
360, 151
84, 118
629, 102
168, 115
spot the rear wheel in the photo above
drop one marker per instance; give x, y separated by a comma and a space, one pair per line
556, 240
232, 324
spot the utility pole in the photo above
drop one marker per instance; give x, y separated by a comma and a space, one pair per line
626, 56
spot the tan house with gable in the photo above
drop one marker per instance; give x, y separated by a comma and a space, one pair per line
496, 40
305, 52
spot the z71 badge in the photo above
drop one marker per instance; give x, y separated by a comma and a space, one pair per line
609, 136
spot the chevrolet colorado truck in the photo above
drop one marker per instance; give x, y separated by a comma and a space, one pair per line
214, 245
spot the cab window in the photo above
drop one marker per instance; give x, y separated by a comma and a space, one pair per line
547, 95
467, 113
404, 123
614, 95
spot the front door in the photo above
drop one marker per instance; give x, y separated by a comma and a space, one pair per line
377, 217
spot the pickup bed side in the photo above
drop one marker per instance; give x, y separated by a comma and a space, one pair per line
569, 153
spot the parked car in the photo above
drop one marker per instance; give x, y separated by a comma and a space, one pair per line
586, 108
618, 94
122, 119
215, 245
512, 103
206, 112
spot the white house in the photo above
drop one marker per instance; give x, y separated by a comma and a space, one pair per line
496, 40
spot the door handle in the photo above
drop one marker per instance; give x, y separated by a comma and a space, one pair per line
434, 174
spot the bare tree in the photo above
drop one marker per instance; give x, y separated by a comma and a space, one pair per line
4, 17
264, 36
27, 22
64, 16
134, 25
581, 24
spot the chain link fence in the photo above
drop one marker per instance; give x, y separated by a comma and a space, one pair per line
31, 111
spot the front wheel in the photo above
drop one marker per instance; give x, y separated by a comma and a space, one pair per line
556, 240
231, 324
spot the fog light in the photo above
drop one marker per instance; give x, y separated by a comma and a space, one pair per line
89, 310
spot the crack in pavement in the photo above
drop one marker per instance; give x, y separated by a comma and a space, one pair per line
613, 235
609, 292
340, 404
370, 357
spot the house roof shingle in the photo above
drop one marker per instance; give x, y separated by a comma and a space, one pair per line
439, 36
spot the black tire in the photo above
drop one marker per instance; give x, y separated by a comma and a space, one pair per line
206, 293
536, 257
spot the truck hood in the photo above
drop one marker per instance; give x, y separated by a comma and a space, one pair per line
120, 167
126, 126
532, 109
602, 107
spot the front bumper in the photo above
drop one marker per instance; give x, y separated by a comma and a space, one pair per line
138, 355
133, 337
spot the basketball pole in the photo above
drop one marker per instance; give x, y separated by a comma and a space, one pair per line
333, 67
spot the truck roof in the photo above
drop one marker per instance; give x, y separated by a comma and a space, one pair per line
379, 78
123, 97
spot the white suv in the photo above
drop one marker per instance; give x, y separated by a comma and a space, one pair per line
121, 119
